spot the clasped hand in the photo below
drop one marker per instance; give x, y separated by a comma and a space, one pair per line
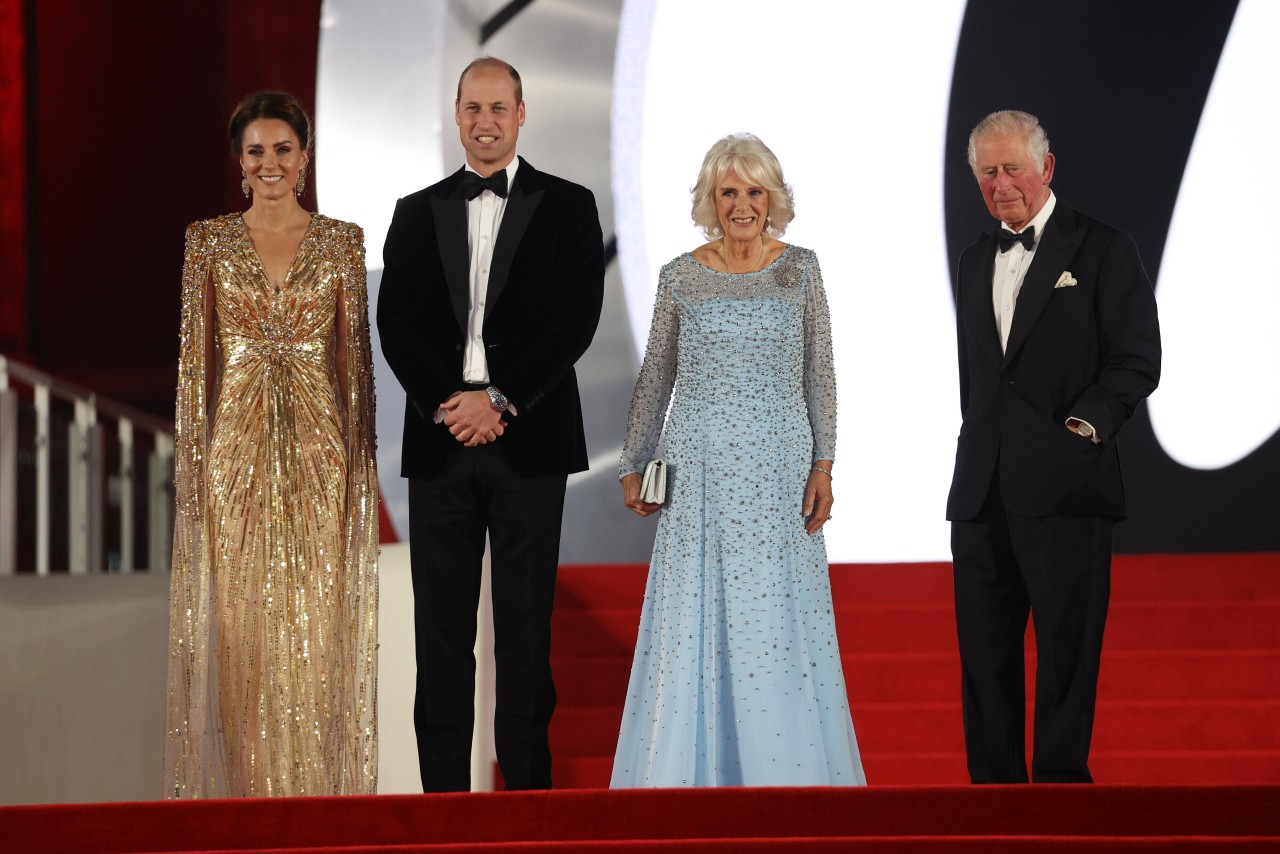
471, 418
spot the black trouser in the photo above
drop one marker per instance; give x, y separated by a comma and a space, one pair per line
449, 514
1058, 569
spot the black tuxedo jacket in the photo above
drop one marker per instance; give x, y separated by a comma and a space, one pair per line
546, 285
1089, 351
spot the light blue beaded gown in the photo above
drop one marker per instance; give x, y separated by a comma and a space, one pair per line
736, 678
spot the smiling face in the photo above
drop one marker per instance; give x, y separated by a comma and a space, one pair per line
489, 118
271, 158
1012, 186
741, 207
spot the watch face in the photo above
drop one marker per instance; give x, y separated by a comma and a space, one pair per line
1084, 430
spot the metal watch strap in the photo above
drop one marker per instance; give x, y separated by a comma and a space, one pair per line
497, 399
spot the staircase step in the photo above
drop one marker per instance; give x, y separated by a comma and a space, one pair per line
931, 628
1178, 674
932, 677
1189, 690
1142, 577
1166, 726
1154, 577
1207, 767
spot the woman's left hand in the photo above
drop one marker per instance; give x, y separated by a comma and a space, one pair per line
817, 497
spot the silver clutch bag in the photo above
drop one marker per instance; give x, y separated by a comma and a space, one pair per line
653, 487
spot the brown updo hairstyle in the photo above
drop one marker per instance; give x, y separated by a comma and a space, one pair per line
268, 105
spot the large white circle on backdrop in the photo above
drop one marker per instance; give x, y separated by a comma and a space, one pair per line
1218, 307
853, 99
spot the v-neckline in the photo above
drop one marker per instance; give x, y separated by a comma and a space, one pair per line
257, 256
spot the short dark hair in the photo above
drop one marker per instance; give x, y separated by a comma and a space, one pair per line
491, 62
268, 105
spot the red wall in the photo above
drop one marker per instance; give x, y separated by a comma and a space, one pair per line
127, 145
13, 185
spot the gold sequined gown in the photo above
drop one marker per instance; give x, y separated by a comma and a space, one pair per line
273, 626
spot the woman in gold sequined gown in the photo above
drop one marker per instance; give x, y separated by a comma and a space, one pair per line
273, 630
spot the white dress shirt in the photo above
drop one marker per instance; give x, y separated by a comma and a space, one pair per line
1011, 271
484, 218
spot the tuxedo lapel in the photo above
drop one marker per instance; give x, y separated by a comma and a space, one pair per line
522, 201
1052, 257
449, 213
979, 314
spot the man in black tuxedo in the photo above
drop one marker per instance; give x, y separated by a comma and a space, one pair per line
491, 290
1059, 342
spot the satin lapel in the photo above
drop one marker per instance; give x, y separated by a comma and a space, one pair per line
979, 314
1053, 255
449, 212
515, 221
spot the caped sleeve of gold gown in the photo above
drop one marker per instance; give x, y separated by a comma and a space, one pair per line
362, 515
186, 733
272, 685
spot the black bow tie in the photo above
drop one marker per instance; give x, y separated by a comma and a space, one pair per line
1007, 238
473, 185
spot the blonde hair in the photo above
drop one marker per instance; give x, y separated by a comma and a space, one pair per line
752, 160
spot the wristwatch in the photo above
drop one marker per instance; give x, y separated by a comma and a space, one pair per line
497, 399
1083, 428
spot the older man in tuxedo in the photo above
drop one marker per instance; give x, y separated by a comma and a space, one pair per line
1058, 342
491, 290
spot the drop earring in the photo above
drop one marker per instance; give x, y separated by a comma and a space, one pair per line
244, 184
302, 182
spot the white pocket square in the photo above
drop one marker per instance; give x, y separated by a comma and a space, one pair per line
1066, 280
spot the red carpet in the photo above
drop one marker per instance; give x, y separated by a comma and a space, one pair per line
1190, 695
1189, 692
890, 819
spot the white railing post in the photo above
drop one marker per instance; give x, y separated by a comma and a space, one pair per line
124, 431
84, 485
94, 493
160, 504
8, 473
77, 490
42, 478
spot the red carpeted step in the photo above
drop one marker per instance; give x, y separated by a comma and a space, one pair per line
585, 730
1190, 680
1186, 767
810, 845
1215, 624
884, 815
1192, 624
581, 772
601, 585
1162, 725
1126, 675
1142, 577
595, 631
1151, 767
1198, 576
929, 677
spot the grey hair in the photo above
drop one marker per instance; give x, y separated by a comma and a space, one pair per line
746, 155
1012, 122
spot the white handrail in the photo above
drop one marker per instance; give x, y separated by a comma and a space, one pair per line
89, 488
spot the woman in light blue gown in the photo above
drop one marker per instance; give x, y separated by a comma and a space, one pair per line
737, 678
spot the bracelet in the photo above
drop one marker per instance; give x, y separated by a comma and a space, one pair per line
824, 471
